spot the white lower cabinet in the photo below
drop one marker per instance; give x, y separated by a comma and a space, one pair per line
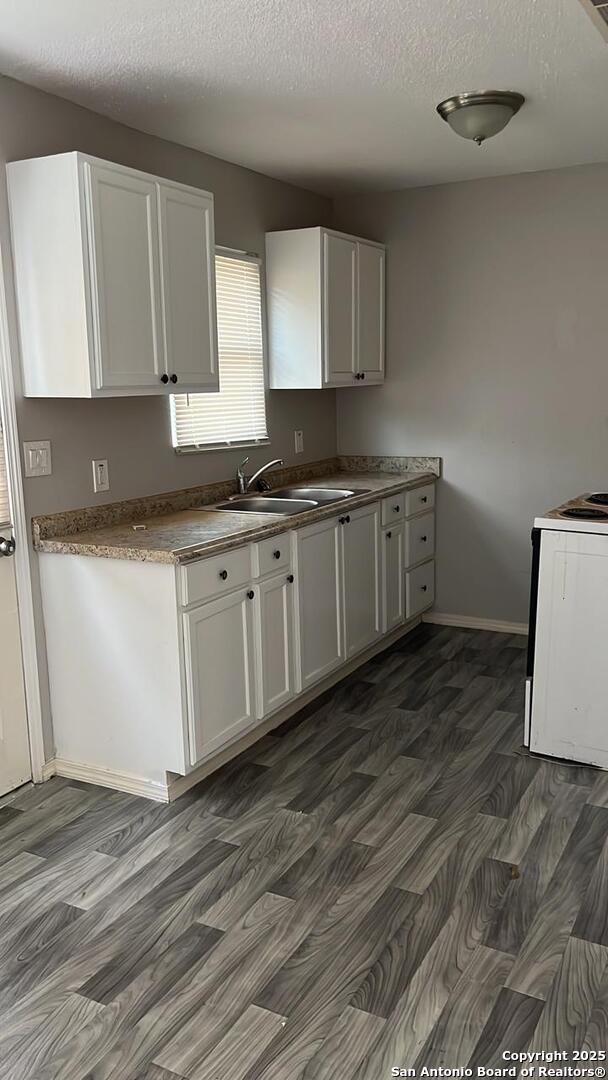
240, 661
360, 535
393, 584
275, 653
234, 638
419, 589
220, 671
319, 619
419, 539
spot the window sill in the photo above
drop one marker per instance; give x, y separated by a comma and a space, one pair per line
219, 447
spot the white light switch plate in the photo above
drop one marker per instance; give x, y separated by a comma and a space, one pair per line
101, 475
37, 458
298, 438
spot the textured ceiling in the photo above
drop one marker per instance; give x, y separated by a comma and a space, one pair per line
331, 94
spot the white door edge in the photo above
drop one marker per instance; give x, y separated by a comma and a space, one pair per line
23, 578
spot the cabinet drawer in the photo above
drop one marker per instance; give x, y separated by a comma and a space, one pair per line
419, 539
393, 508
217, 575
270, 555
422, 498
419, 589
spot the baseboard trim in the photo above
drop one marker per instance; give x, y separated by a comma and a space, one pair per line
48, 770
90, 774
468, 622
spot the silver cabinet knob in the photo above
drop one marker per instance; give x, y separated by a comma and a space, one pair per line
7, 547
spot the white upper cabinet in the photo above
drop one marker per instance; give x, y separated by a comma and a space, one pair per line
114, 273
125, 294
188, 286
339, 310
326, 301
370, 311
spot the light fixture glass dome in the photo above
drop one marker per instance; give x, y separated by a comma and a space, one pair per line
480, 114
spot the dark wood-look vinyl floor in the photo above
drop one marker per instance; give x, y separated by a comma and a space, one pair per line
387, 880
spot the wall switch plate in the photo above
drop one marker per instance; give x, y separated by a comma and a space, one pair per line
101, 475
37, 456
298, 438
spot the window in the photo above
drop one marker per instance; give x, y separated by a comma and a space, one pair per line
237, 414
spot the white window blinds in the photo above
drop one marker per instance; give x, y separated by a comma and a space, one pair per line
5, 516
237, 414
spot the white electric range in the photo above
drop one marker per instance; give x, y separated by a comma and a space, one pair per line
566, 685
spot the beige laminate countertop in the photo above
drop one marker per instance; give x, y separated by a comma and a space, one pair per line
186, 535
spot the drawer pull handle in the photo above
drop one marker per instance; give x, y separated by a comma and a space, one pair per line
164, 378
423, 539
290, 579
388, 535
174, 378
250, 594
276, 554
223, 574
396, 509
424, 498
424, 587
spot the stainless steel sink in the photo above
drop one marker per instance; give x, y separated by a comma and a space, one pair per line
322, 496
267, 504
288, 500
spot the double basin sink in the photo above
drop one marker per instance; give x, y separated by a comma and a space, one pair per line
288, 500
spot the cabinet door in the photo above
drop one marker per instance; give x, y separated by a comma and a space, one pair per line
319, 621
361, 578
219, 655
188, 288
275, 643
419, 539
393, 610
370, 313
339, 301
569, 685
419, 589
125, 280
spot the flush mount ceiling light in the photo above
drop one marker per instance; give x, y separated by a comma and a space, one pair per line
479, 114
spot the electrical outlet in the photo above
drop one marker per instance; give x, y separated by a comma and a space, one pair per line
101, 475
298, 437
37, 457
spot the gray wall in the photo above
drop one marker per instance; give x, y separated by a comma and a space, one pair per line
497, 359
134, 433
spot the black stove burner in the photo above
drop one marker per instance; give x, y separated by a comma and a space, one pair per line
600, 498
585, 513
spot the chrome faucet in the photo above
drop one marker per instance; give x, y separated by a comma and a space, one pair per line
244, 483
